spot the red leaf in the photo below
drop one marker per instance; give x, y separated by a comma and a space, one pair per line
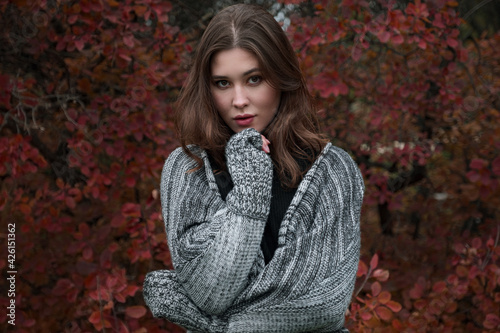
451, 307
384, 297
95, 191
97, 321
383, 313
131, 209
473, 176
492, 321
356, 52
105, 259
374, 261
422, 44
136, 311
124, 56
366, 316
478, 164
75, 192
62, 287
24, 208
95, 317
397, 39
140, 10
452, 42
439, 287
130, 290
122, 328
70, 202
476, 242
120, 298
438, 21
72, 18
340, 89
398, 326
128, 40
376, 288
384, 36
417, 291
80, 44
420, 304
362, 269
381, 274
130, 181
111, 281
394, 306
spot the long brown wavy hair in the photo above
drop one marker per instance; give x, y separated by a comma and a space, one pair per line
294, 131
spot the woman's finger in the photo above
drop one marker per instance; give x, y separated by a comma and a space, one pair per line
265, 144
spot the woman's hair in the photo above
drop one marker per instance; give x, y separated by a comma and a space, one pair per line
294, 131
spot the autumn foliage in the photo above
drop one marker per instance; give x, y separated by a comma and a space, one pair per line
86, 98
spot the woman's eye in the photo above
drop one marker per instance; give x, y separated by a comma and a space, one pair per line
222, 84
255, 79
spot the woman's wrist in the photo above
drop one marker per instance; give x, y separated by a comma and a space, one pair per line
246, 160
252, 173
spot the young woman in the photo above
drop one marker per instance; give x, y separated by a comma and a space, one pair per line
261, 212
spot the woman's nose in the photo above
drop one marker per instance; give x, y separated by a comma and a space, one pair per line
240, 98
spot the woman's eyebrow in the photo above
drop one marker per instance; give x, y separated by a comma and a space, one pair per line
222, 77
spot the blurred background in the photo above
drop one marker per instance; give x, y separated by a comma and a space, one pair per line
411, 89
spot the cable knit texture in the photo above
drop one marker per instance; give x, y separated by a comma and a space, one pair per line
220, 282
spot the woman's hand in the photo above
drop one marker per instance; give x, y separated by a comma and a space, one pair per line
265, 144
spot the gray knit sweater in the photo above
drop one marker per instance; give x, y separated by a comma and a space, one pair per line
220, 282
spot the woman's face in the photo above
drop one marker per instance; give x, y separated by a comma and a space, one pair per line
242, 96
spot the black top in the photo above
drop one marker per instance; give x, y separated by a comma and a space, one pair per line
280, 200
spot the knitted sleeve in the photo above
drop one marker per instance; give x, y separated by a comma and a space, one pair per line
213, 243
332, 243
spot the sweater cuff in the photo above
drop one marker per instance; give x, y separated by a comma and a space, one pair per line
166, 298
252, 174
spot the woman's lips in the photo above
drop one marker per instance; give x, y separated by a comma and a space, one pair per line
244, 120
